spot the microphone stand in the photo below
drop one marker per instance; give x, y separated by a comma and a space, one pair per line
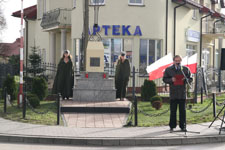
181, 68
185, 129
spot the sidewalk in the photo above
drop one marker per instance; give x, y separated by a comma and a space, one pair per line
11, 131
96, 120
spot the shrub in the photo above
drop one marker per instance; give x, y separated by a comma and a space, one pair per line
1, 94
39, 87
156, 102
157, 105
33, 99
10, 84
148, 90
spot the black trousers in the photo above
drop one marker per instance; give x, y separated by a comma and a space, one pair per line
121, 86
173, 113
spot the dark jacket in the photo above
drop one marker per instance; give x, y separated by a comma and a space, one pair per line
122, 70
64, 79
177, 91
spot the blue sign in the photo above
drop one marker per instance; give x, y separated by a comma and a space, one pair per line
117, 30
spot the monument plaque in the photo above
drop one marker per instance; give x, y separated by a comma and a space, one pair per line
94, 61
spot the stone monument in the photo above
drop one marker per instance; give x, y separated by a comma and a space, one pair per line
94, 85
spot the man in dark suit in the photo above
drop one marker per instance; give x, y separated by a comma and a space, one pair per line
177, 77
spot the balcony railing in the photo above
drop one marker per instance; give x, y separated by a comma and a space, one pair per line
56, 18
212, 27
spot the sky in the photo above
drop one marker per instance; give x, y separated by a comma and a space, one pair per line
12, 31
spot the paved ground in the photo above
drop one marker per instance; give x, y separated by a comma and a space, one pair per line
106, 130
95, 120
11, 131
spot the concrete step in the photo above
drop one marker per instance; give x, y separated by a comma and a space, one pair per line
96, 109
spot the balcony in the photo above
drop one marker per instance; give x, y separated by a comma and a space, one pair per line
213, 30
58, 18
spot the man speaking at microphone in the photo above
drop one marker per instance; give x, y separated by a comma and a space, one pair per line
177, 77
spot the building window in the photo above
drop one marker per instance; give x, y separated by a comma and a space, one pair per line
195, 11
43, 55
205, 58
112, 51
136, 2
150, 51
74, 3
190, 49
97, 2
44, 6
41, 8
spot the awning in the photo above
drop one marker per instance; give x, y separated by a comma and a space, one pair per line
29, 13
189, 3
205, 10
216, 15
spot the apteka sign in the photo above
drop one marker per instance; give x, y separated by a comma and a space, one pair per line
117, 30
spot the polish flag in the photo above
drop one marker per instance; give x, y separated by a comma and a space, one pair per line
157, 69
190, 62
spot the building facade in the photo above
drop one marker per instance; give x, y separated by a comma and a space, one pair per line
145, 29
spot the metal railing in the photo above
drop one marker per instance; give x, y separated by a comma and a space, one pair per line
56, 17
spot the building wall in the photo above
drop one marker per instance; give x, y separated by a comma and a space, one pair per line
37, 37
151, 17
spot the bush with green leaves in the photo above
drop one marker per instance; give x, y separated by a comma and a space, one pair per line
156, 98
148, 90
10, 84
156, 102
33, 100
1, 94
39, 87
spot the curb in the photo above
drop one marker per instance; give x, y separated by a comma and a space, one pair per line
112, 141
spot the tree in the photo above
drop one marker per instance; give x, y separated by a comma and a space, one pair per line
35, 62
2, 18
14, 60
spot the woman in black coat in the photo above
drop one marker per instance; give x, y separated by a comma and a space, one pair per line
122, 76
64, 79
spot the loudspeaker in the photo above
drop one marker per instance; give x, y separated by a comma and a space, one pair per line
222, 64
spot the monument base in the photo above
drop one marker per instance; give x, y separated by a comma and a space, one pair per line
94, 87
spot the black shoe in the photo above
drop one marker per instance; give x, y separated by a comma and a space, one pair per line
67, 97
171, 130
183, 130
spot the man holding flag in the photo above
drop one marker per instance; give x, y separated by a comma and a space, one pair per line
177, 76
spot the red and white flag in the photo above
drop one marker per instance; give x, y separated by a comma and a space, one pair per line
190, 62
157, 69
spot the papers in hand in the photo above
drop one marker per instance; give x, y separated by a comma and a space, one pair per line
179, 79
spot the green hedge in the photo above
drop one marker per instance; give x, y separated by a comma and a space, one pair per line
39, 87
148, 90
11, 86
33, 100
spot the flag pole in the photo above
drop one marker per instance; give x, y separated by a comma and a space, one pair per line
20, 99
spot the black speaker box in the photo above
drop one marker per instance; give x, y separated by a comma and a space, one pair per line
222, 64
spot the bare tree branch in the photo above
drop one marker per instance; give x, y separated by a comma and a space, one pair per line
2, 18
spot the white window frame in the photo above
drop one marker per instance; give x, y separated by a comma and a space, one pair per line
135, 3
92, 3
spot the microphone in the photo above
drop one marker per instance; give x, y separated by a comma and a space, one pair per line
178, 66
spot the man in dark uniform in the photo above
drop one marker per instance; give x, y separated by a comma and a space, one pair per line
177, 77
122, 76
